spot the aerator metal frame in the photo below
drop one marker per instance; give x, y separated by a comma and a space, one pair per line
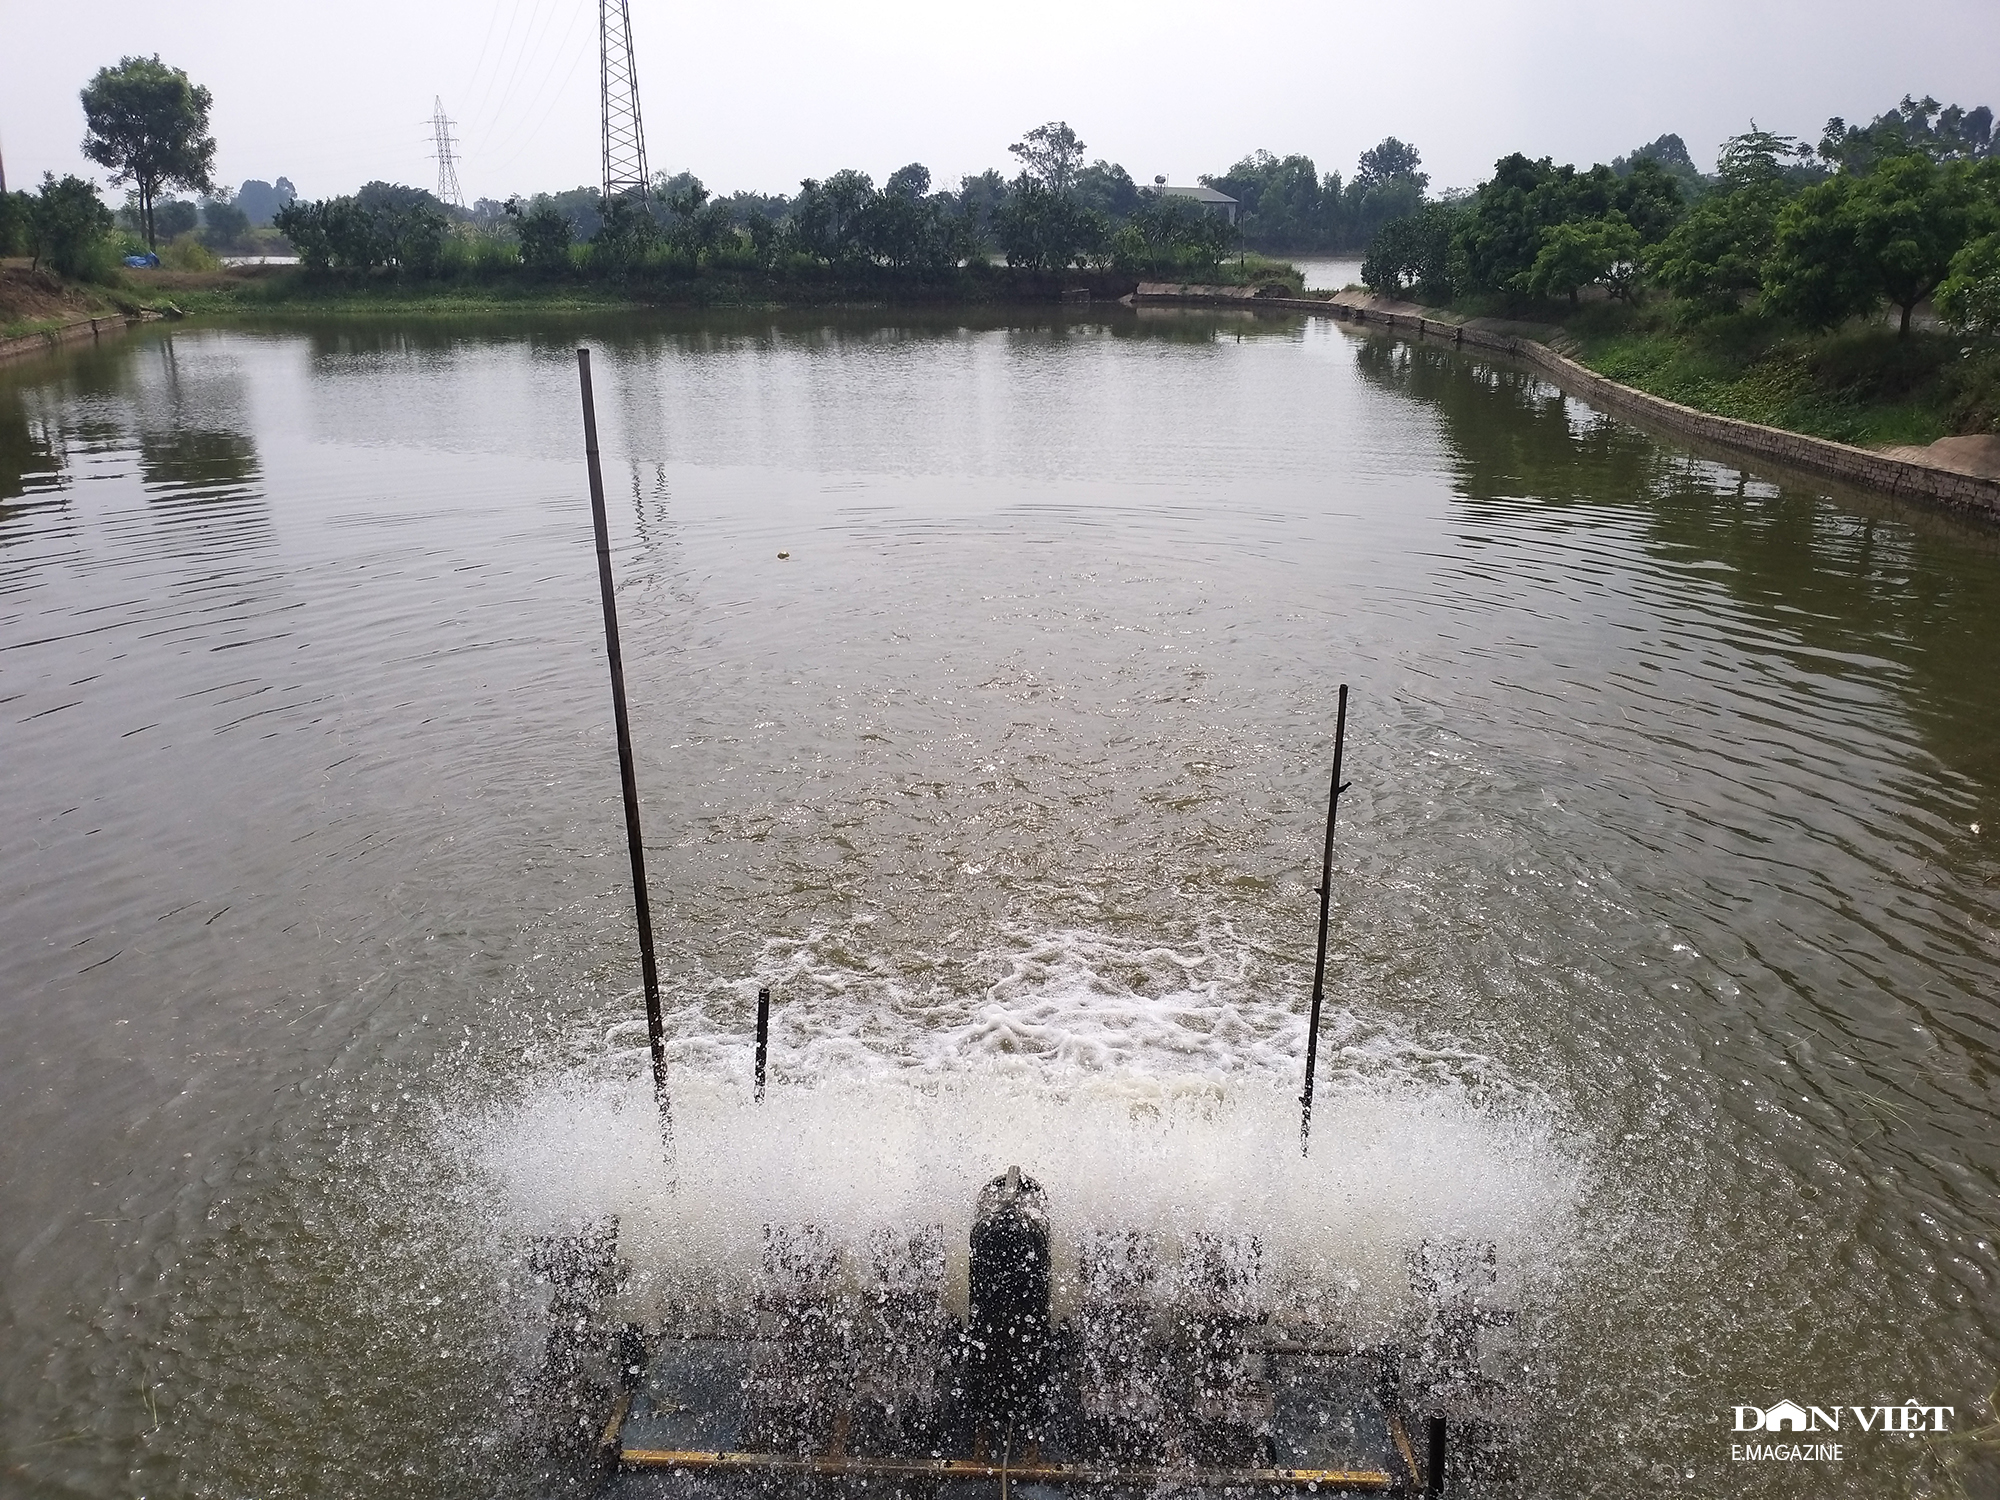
1163, 1376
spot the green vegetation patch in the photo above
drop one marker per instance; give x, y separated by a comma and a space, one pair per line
1865, 386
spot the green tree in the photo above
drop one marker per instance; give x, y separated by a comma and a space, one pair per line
355, 234
909, 183
224, 225
16, 210
1391, 161
416, 238
1716, 254
916, 231
691, 223
260, 200
172, 217
67, 223
1386, 186
626, 234
1506, 230
829, 220
1968, 300
1108, 188
545, 236
1922, 127
1283, 204
304, 226
1648, 198
1846, 245
1759, 156
1624, 249
393, 198
1503, 232
1170, 236
1670, 154
979, 198
766, 237
1045, 229
1572, 256
1051, 155
149, 124
385, 224
1416, 252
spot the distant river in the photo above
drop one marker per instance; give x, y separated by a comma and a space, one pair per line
1664, 901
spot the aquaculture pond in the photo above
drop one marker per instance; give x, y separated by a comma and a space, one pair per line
983, 670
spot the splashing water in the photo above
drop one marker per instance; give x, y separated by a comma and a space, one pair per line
1146, 1087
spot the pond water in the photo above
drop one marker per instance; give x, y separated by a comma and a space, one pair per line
1329, 273
1664, 900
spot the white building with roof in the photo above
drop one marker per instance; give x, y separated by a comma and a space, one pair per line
1207, 197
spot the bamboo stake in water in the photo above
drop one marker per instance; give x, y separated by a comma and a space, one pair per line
655, 1024
763, 1037
1325, 897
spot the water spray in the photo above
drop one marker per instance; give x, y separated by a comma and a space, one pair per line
1325, 898
649, 969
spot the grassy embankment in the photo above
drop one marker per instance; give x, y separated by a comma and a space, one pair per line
1861, 384
40, 302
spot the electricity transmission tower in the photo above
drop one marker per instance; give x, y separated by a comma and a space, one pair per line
618, 77
448, 189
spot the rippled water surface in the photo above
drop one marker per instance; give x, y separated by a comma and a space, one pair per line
1664, 949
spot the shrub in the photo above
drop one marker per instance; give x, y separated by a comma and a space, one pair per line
545, 238
1968, 301
70, 228
186, 253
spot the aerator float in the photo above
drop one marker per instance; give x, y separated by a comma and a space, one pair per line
1164, 1363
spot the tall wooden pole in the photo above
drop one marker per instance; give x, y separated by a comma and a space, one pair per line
655, 1024
1325, 898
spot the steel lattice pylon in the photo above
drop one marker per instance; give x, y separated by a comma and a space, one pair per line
624, 135
447, 160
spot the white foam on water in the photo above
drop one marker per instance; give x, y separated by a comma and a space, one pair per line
1051, 1006
1145, 1087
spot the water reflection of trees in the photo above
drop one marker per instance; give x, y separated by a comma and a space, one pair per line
1847, 574
197, 458
1513, 433
30, 454
177, 406
645, 335
201, 461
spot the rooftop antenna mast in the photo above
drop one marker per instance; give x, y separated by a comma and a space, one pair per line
447, 158
618, 77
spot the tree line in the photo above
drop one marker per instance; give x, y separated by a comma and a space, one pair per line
1893, 213
1287, 207
1055, 213
1055, 210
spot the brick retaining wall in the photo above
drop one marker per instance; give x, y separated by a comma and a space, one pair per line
1894, 476
54, 338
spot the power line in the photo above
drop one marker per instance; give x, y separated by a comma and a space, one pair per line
524, 118
478, 115
527, 140
447, 159
539, 15
492, 20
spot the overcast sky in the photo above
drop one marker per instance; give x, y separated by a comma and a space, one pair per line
758, 96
